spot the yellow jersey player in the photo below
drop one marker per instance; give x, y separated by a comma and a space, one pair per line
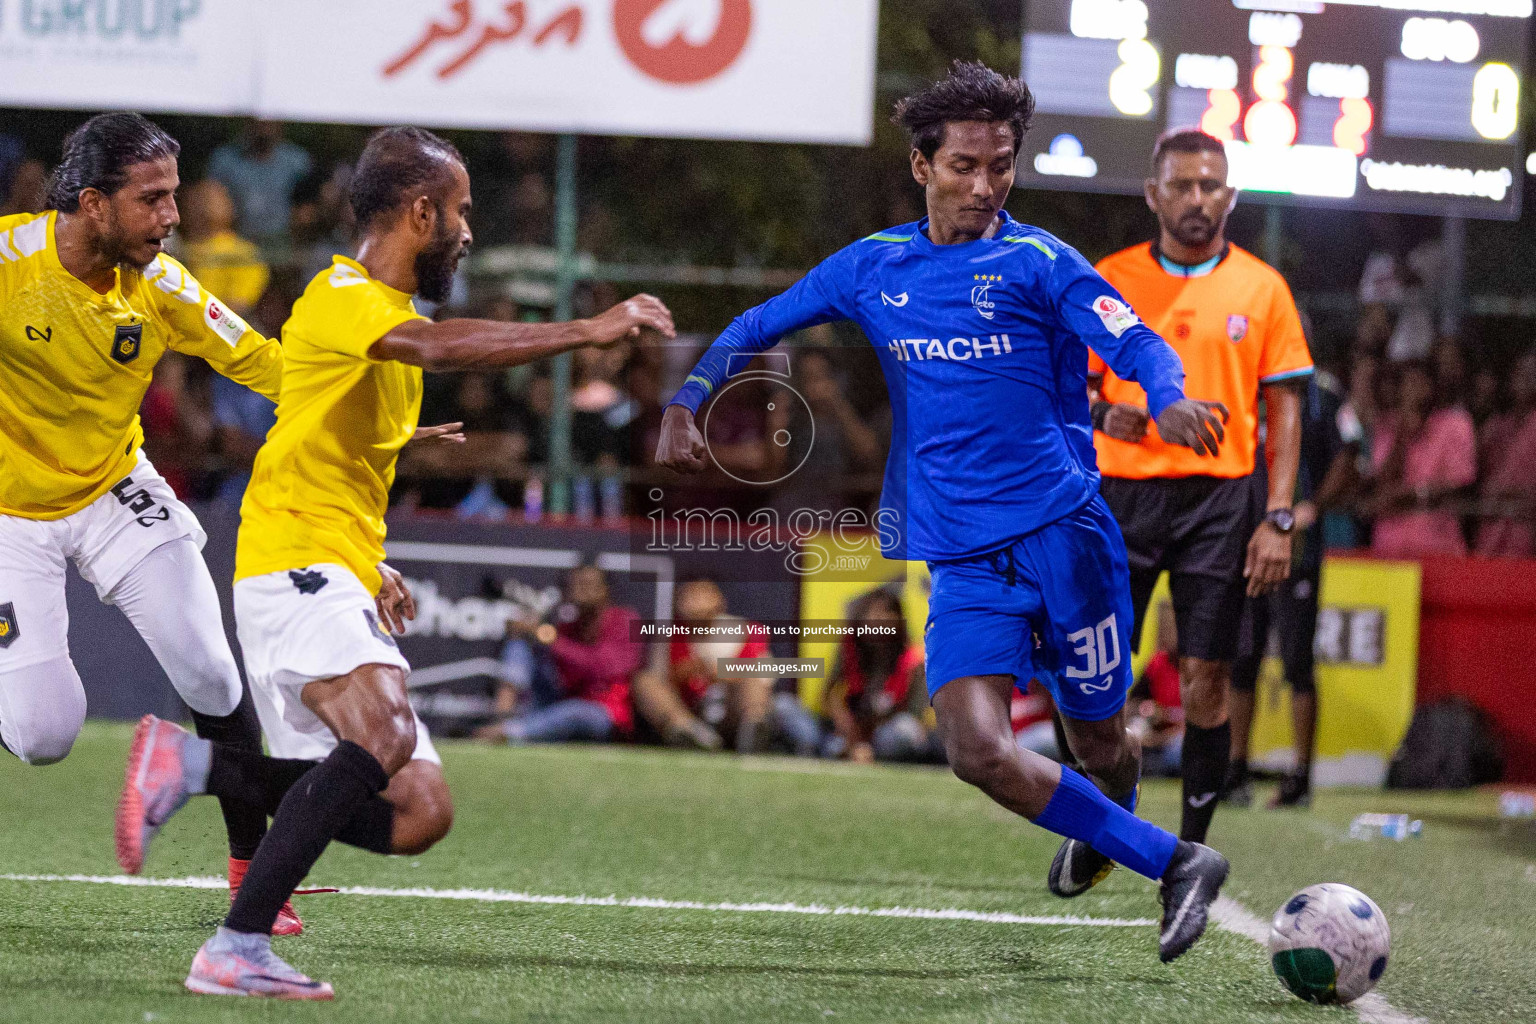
315, 607
89, 303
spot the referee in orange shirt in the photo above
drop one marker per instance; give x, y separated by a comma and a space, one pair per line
1232, 320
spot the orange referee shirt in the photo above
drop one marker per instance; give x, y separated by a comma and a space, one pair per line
1235, 327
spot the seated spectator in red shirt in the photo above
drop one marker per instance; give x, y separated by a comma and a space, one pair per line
1423, 457
1030, 714
1157, 717
1509, 486
577, 675
877, 698
694, 705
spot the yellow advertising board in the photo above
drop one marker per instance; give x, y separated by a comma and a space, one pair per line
1367, 648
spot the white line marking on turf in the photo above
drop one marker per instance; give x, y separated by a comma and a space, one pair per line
1371, 1008
641, 902
1226, 912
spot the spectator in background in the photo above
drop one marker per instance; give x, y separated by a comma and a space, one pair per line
1364, 391
471, 478
1032, 715
232, 268
1509, 485
1397, 289
1424, 455
569, 681
261, 170
241, 420
516, 204
227, 265
177, 426
824, 436
320, 219
1157, 720
876, 696
12, 152
601, 414
1449, 368
26, 189
695, 705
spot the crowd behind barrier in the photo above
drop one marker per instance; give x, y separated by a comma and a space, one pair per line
1446, 444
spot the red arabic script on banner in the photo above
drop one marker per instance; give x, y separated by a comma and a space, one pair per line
679, 42
462, 23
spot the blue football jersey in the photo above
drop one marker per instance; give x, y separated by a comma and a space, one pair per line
984, 346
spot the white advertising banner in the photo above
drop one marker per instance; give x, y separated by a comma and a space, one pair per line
781, 70
194, 56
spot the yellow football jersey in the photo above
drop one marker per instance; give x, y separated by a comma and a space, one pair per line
74, 365
321, 482
229, 266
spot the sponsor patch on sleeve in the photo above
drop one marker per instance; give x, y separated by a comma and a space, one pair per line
1116, 315
223, 322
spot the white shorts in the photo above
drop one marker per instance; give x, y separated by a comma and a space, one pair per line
105, 539
298, 626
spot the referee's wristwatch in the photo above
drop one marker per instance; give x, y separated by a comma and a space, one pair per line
1282, 519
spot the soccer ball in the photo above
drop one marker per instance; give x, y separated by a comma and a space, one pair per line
1329, 943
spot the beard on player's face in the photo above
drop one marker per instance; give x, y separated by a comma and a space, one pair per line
1193, 228
122, 245
437, 263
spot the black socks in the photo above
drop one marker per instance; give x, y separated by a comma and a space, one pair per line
1206, 752
314, 811
263, 781
244, 820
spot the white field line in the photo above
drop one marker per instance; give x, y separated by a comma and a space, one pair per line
1226, 912
1371, 1008
639, 902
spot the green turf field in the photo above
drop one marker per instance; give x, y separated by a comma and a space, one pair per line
673, 827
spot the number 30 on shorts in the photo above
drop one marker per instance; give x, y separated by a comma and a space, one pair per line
1098, 646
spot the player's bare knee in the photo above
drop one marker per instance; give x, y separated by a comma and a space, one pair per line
1203, 690
388, 732
1112, 762
425, 819
980, 760
396, 741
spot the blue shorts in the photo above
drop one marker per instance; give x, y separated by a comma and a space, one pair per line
1054, 605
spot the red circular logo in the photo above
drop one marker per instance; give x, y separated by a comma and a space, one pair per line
676, 59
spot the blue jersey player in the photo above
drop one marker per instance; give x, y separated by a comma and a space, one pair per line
982, 326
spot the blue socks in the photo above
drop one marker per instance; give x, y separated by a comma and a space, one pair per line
1079, 811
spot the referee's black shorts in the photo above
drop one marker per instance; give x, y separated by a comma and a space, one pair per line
1196, 528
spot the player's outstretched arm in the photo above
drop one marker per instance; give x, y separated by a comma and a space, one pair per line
819, 297
203, 326
491, 344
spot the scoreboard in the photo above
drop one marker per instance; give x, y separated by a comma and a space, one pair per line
1395, 105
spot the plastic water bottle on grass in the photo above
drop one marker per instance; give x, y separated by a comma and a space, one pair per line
1515, 804
1385, 826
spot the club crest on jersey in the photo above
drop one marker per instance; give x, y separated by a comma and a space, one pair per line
1116, 316
9, 628
1237, 327
127, 341
979, 294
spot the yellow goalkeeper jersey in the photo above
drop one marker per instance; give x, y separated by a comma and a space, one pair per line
74, 365
320, 486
